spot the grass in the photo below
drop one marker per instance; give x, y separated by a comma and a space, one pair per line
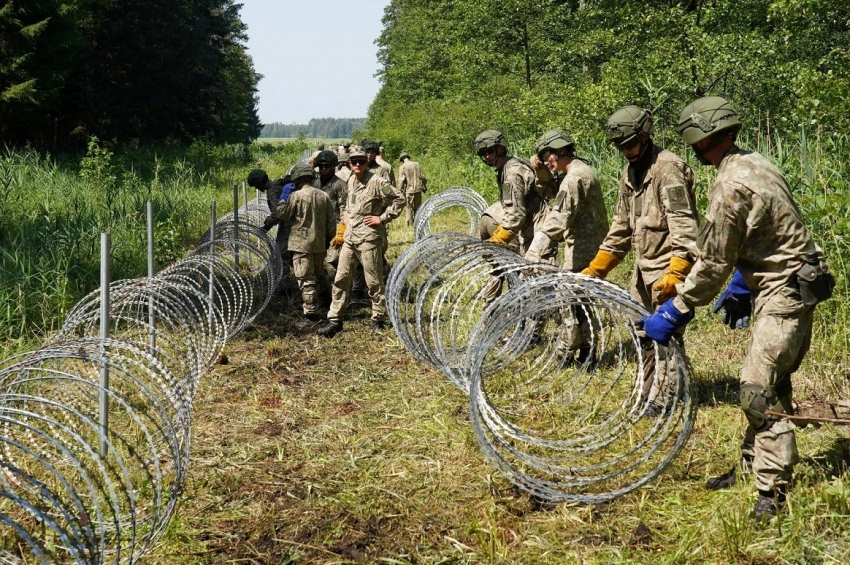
308, 450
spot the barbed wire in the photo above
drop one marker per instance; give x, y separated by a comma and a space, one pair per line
455, 197
70, 492
509, 333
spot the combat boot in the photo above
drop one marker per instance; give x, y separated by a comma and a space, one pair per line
308, 322
767, 505
730, 477
377, 325
330, 329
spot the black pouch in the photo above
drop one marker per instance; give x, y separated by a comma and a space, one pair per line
815, 281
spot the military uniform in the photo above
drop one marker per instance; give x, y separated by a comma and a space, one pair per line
754, 225
283, 226
383, 170
373, 196
336, 190
524, 209
311, 214
411, 181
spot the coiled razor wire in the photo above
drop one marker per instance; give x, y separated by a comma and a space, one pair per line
559, 426
69, 494
455, 197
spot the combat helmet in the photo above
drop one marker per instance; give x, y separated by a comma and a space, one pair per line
553, 139
326, 157
403, 155
489, 138
627, 122
300, 171
705, 117
370, 145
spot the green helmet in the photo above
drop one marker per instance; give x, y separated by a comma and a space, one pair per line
489, 138
256, 177
627, 122
300, 171
326, 157
343, 158
404, 154
554, 139
707, 116
369, 145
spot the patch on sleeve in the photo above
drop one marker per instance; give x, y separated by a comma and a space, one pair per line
677, 194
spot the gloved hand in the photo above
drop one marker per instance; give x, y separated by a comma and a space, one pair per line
663, 323
337, 241
736, 302
501, 236
601, 265
538, 247
269, 223
288, 189
676, 273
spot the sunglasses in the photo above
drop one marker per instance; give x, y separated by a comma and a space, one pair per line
630, 143
357, 161
326, 166
488, 151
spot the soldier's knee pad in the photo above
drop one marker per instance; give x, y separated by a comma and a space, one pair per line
756, 400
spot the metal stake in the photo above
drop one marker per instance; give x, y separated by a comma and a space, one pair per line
212, 265
105, 245
151, 269
236, 226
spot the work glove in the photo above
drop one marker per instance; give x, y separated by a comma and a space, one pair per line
663, 323
269, 223
501, 236
288, 189
736, 302
337, 241
538, 247
601, 265
676, 273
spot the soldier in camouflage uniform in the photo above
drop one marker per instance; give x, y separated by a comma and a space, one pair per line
372, 204
336, 189
311, 214
377, 165
523, 208
411, 183
656, 216
753, 225
260, 180
490, 220
578, 218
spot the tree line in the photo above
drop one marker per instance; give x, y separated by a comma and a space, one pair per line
327, 128
151, 70
450, 68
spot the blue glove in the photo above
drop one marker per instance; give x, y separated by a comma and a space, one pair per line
288, 189
664, 322
736, 302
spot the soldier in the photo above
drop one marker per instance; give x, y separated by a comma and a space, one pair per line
411, 183
753, 225
578, 218
343, 171
376, 165
490, 220
523, 206
310, 211
656, 216
335, 188
372, 203
273, 188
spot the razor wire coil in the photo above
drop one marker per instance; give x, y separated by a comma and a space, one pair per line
510, 334
472, 203
69, 493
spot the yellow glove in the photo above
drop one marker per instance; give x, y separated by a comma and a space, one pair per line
337, 240
602, 264
676, 273
501, 236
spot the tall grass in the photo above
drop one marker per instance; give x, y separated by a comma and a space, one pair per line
52, 211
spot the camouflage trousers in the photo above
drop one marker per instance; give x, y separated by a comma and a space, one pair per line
309, 270
781, 336
372, 260
414, 201
659, 383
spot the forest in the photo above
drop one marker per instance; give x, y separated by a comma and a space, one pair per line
328, 128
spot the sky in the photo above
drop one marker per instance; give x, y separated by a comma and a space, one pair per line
326, 47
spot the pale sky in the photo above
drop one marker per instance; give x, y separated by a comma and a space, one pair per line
317, 57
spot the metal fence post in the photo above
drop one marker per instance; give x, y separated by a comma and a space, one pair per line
105, 245
151, 269
212, 265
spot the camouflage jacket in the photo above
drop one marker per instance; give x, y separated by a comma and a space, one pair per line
752, 224
337, 191
344, 173
383, 170
410, 177
522, 204
578, 217
311, 213
373, 196
657, 219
